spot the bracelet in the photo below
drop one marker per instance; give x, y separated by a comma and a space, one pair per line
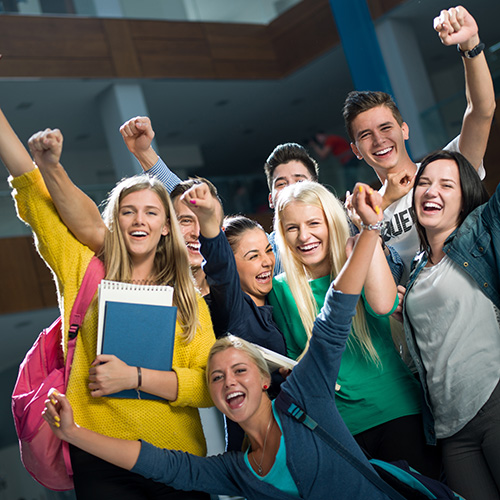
469, 54
139, 377
373, 227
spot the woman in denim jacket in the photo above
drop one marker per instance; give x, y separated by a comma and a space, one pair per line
450, 316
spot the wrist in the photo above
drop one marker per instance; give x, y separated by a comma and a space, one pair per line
469, 45
376, 226
147, 158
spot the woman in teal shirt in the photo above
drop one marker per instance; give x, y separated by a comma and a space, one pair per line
376, 394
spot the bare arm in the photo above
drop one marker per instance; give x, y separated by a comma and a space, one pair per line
77, 210
108, 374
12, 152
352, 277
457, 26
380, 288
59, 415
138, 134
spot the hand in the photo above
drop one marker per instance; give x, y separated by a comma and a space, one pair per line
351, 243
397, 185
457, 26
59, 415
350, 210
138, 134
398, 313
206, 207
46, 147
108, 375
366, 201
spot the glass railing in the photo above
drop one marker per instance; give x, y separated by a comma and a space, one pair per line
227, 11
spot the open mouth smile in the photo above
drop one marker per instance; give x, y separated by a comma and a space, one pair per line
383, 152
235, 399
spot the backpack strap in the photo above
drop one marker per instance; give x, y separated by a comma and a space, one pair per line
286, 404
93, 275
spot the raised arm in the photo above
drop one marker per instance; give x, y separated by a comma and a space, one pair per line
12, 152
206, 207
353, 275
76, 209
456, 26
138, 134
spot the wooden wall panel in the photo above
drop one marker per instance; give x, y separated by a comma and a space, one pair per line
26, 281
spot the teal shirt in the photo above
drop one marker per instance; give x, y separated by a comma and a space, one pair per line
279, 475
366, 394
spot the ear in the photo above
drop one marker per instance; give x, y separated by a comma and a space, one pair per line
355, 150
406, 131
270, 198
166, 228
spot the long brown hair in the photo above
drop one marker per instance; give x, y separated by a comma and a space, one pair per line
171, 264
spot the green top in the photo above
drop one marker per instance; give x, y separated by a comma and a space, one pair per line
367, 394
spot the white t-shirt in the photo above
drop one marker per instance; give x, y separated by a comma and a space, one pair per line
458, 335
399, 230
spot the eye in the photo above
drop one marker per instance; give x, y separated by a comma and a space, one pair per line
240, 370
151, 212
280, 184
216, 378
253, 257
290, 229
269, 250
126, 212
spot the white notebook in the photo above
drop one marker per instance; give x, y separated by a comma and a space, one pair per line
275, 360
116, 291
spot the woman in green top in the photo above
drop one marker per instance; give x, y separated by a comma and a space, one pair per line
376, 394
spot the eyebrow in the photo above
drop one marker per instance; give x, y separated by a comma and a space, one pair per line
254, 250
283, 178
232, 366
361, 132
147, 207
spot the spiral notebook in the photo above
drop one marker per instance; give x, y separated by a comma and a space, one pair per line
137, 324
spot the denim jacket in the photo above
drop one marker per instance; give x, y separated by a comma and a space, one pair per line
475, 247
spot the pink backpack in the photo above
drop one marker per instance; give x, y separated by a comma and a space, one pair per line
44, 456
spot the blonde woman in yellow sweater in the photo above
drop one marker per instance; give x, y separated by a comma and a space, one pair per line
143, 243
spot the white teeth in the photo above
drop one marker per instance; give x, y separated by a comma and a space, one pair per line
383, 152
429, 204
311, 246
139, 233
194, 246
265, 275
234, 395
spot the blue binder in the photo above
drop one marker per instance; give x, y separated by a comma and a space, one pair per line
140, 335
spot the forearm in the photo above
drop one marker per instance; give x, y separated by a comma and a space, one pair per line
480, 109
12, 152
76, 209
147, 158
119, 452
380, 287
160, 383
352, 276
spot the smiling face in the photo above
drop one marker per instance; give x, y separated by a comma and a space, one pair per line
255, 263
236, 384
306, 234
190, 229
438, 198
142, 220
286, 174
380, 140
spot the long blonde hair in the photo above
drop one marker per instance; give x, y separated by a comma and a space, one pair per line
316, 195
171, 263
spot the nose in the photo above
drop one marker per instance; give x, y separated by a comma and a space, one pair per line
377, 138
268, 260
303, 235
138, 219
195, 229
229, 379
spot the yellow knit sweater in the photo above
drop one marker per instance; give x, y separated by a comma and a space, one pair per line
174, 425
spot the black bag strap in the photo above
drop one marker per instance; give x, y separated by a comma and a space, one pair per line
286, 404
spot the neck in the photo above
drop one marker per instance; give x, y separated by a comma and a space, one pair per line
436, 243
142, 270
200, 279
256, 427
405, 164
319, 271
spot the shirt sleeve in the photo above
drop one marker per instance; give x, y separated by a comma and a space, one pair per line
164, 174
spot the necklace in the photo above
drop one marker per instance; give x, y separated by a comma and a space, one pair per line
259, 465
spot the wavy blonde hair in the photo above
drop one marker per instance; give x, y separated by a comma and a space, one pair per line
171, 263
316, 195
